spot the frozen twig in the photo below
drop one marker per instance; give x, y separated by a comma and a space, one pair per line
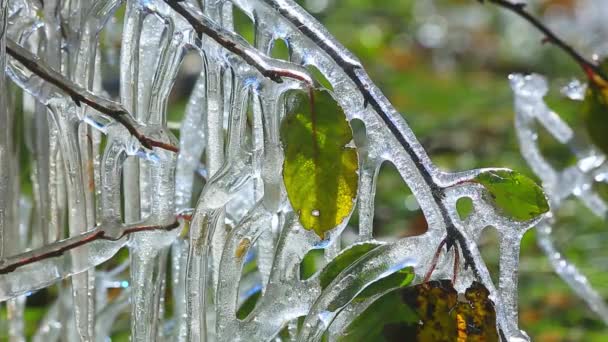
205, 26
519, 9
58, 248
81, 95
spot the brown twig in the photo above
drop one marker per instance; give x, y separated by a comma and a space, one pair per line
58, 248
433, 265
204, 26
550, 36
81, 95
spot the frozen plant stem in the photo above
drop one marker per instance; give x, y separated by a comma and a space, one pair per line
58, 248
79, 94
204, 26
520, 9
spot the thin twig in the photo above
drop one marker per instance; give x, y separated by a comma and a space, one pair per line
205, 26
550, 36
456, 263
427, 277
60, 247
81, 95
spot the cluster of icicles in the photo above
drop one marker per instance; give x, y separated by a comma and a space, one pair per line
90, 174
560, 184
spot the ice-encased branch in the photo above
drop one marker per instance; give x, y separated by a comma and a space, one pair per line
274, 69
519, 9
80, 95
60, 247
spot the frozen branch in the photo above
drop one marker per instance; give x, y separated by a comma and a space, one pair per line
60, 247
81, 95
550, 36
205, 26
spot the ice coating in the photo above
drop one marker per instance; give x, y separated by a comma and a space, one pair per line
576, 180
231, 131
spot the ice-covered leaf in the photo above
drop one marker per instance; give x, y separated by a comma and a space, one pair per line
248, 305
433, 303
401, 278
386, 313
595, 110
445, 316
320, 170
476, 315
516, 195
344, 260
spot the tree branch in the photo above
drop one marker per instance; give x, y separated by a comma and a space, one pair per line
60, 247
519, 8
205, 26
79, 94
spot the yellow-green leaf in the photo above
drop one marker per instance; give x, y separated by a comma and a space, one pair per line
320, 170
517, 196
595, 109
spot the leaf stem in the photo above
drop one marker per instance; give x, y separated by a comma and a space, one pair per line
433, 265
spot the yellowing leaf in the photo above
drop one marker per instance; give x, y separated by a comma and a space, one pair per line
433, 302
319, 171
478, 315
516, 195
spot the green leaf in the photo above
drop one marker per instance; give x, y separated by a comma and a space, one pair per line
319, 171
343, 260
401, 278
431, 311
464, 207
387, 311
595, 109
516, 195
248, 305
310, 263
